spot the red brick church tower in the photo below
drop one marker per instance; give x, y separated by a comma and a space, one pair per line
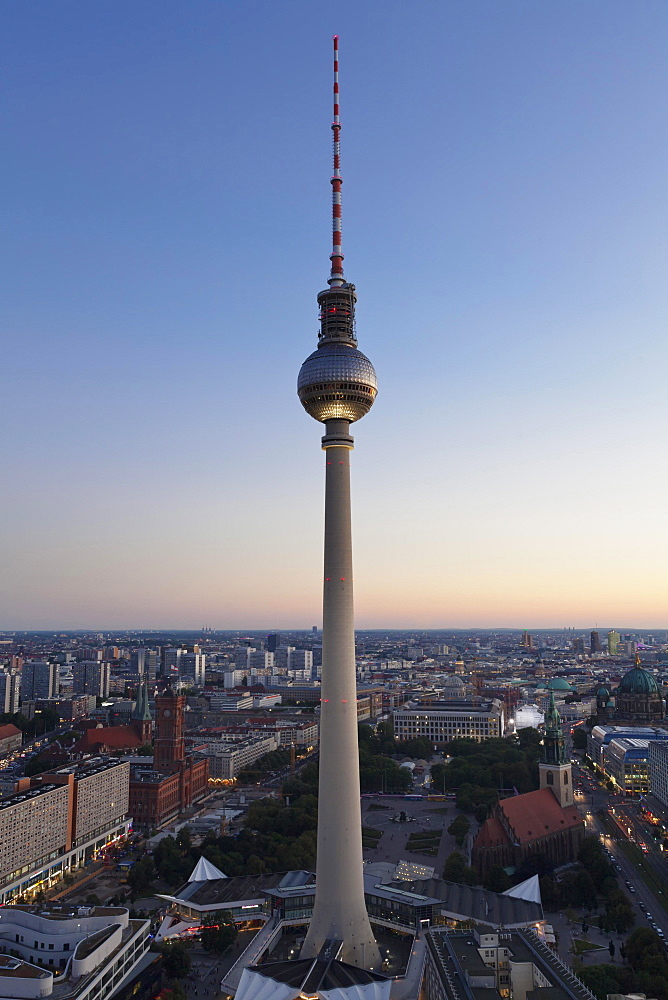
168, 744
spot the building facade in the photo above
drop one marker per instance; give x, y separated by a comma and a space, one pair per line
39, 679
442, 722
91, 677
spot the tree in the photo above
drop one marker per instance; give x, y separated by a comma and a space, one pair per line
220, 936
497, 879
456, 870
183, 839
176, 960
140, 877
459, 828
579, 738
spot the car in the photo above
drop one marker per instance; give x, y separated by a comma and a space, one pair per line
650, 917
632, 888
660, 932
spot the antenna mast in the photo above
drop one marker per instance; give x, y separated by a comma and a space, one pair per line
336, 256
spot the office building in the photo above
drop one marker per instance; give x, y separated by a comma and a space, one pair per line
144, 663
192, 668
273, 641
595, 642
601, 736
442, 721
658, 771
626, 763
170, 660
613, 642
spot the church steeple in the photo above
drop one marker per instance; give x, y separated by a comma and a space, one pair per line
553, 771
142, 714
554, 751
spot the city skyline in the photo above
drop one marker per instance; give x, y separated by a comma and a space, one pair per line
153, 335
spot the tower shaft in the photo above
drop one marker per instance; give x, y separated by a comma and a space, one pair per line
339, 913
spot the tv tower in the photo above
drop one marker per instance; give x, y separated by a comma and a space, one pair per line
337, 385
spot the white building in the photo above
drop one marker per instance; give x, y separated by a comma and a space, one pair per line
230, 756
83, 953
10, 688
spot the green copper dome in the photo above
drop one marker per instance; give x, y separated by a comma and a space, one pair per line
558, 684
640, 682
602, 693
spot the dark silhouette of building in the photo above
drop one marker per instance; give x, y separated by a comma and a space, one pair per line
595, 642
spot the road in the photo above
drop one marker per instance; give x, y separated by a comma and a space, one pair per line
592, 798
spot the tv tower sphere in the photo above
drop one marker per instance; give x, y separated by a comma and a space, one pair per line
337, 382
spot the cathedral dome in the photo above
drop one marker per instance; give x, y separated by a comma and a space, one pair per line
602, 693
558, 684
452, 681
639, 682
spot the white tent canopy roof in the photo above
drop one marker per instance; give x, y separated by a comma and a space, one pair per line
204, 871
529, 890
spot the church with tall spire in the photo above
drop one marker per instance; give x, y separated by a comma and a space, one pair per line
544, 823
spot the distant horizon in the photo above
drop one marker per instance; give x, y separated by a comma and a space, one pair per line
268, 630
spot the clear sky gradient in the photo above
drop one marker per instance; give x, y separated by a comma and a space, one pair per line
166, 185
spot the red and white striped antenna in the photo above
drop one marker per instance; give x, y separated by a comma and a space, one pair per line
336, 256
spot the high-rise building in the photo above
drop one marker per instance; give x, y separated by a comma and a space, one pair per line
10, 688
171, 658
193, 667
273, 641
39, 679
595, 642
337, 385
613, 642
91, 677
59, 821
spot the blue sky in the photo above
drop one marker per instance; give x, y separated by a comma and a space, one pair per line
166, 182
